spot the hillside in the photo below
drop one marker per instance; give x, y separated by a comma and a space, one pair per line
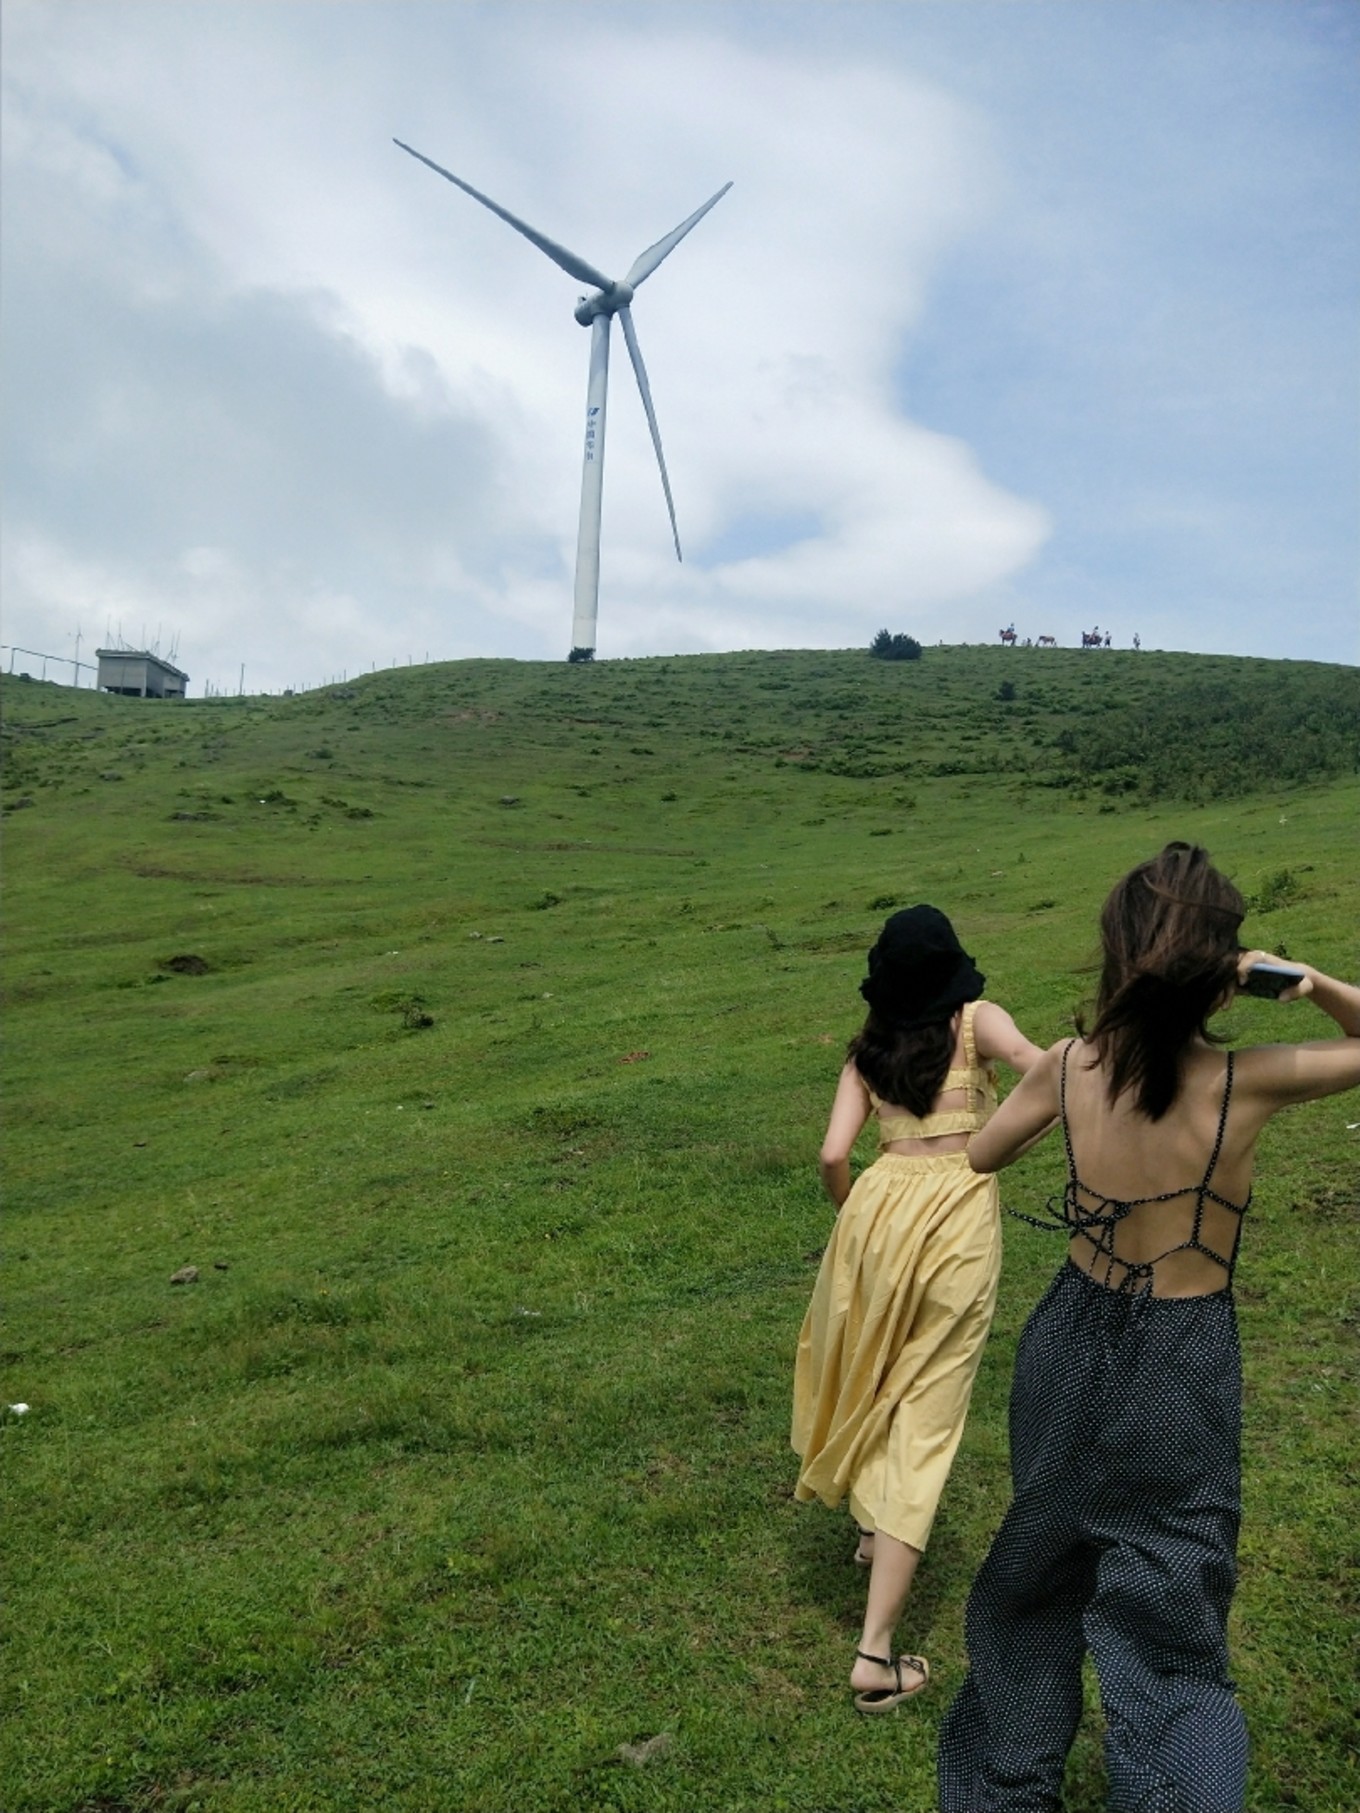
471, 1030
1150, 725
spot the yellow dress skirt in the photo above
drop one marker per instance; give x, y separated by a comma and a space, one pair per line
892, 1338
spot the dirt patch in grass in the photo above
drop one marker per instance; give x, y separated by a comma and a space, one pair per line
245, 878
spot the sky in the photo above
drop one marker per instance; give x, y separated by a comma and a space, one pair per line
1039, 312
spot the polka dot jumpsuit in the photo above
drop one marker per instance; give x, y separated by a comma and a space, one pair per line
1125, 1425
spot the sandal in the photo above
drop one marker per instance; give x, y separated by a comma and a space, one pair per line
859, 1558
883, 1699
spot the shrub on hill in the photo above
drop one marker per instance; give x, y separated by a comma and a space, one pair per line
1201, 739
887, 647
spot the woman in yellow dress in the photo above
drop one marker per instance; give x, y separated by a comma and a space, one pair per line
893, 1335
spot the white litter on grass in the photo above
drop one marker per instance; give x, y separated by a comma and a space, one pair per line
17, 1409
1351, 1126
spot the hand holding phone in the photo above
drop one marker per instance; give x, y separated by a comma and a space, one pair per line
1270, 980
1262, 974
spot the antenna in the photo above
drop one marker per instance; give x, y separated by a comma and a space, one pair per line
596, 311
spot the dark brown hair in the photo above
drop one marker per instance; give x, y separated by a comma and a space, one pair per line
1169, 937
905, 1065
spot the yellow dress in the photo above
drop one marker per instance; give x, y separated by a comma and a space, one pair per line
898, 1319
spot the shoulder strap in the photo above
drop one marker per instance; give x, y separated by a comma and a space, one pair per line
1062, 1112
1222, 1122
969, 1046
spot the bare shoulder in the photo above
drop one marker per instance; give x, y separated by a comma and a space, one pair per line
1040, 1088
1050, 1065
996, 1035
990, 1019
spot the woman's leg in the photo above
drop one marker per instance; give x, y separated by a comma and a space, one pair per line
1157, 1620
890, 1580
1156, 1624
1005, 1738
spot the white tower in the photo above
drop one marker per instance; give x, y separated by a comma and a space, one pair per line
596, 311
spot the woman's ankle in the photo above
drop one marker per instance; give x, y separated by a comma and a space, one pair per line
877, 1643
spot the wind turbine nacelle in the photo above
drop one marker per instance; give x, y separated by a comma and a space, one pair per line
603, 302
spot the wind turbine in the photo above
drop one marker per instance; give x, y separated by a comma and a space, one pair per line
595, 312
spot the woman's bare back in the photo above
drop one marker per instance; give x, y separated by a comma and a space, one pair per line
1162, 1200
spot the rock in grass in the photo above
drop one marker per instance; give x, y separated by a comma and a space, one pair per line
187, 1274
639, 1755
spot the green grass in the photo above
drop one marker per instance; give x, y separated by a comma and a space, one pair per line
489, 1115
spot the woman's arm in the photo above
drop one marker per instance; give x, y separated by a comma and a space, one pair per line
1026, 1115
1282, 1074
849, 1111
997, 1036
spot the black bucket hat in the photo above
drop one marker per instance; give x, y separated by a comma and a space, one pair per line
919, 973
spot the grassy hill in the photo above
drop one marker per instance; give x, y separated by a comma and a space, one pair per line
472, 1029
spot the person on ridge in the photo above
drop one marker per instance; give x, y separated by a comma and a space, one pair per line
903, 1301
1125, 1415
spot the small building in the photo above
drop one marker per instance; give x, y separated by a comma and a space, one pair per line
138, 675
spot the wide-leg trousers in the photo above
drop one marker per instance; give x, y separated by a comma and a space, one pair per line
1125, 1424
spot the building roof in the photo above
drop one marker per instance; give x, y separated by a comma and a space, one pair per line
140, 654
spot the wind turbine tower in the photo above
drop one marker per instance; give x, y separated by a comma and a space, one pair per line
596, 311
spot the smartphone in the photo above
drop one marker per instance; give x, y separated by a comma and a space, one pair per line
1270, 980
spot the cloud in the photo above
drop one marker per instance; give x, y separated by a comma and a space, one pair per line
1012, 311
313, 406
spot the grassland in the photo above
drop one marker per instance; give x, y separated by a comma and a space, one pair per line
471, 1030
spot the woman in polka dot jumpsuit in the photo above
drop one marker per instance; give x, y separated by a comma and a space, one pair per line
1126, 1401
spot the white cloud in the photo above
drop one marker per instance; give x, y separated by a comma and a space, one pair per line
293, 345
316, 408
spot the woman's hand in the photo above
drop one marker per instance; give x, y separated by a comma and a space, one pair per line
1295, 992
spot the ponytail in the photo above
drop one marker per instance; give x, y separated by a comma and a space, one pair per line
1169, 932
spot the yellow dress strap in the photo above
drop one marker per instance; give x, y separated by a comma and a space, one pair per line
969, 1045
970, 1054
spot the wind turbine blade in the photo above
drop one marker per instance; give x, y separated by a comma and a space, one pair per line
646, 262
569, 262
640, 372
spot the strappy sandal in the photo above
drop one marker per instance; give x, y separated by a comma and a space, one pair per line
883, 1699
859, 1559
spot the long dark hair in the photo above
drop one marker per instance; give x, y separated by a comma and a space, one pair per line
905, 1065
1169, 935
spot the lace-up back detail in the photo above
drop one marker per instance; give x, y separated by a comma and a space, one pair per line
1099, 1220
976, 1080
